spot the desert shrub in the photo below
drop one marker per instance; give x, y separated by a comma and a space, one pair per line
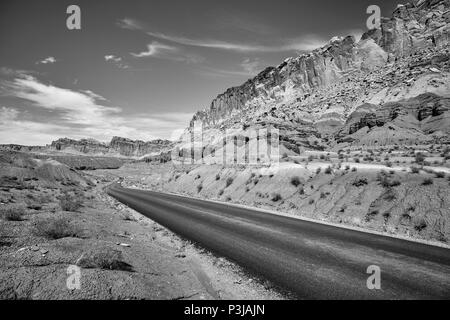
347, 167
229, 182
311, 201
295, 181
328, 170
420, 224
197, 176
323, 195
301, 191
439, 174
356, 160
247, 189
220, 192
389, 194
128, 216
388, 164
69, 202
371, 214
419, 158
427, 181
318, 170
360, 182
354, 169
199, 187
284, 156
415, 169
322, 157
228, 198
217, 177
104, 258
276, 197
386, 215
14, 213
55, 228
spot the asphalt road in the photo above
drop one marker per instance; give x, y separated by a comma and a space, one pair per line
310, 260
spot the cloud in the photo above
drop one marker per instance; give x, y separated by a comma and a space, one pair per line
306, 43
76, 114
116, 61
47, 60
163, 51
155, 49
252, 66
77, 107
7, 114
129, 23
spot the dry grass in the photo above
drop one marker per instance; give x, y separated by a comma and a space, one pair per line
295, 181
14, 213
55, 228
105, 258
71, 202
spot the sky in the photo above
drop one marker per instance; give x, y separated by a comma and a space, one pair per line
141, 68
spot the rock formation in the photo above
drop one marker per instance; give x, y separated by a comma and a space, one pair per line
396, 74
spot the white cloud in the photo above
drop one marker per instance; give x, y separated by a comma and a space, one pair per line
155, 49
47, 60
116, 61
77, 115
112, 58
252, 66
164, 51
306, 43
76, 107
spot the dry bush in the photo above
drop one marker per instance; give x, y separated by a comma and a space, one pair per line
360, 182
14, 213
439, 174
55, 228
295, 181
415, 170
229, 182
276, 197
104, 258
71, 202
427, 181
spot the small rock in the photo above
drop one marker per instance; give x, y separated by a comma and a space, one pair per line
124, 244
34, 248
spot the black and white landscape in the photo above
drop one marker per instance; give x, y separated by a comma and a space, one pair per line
238, 150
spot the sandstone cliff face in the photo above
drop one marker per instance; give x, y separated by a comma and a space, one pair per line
347, 86
117, 147
137, 148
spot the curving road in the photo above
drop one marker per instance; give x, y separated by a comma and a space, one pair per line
311, 260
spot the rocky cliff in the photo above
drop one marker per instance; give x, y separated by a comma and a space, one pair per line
117, 147
321, 93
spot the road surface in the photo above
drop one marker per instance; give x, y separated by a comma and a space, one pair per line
310, 260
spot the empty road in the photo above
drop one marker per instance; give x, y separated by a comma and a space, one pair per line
311, 260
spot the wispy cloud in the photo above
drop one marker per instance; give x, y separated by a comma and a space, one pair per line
306, 43
164, 51
116, 61
252, 66
155, 49
47, 60
79, 114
